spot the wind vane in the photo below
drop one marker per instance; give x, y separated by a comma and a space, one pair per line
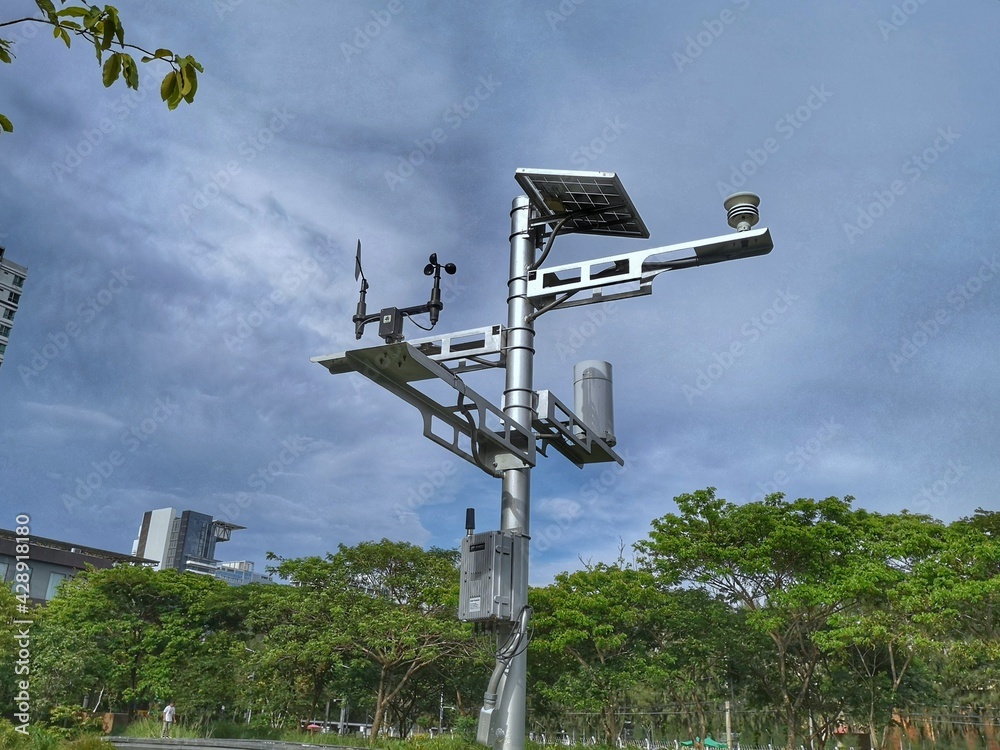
390, 319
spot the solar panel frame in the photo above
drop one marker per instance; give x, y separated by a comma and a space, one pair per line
595, 202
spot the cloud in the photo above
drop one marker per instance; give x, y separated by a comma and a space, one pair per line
184, 266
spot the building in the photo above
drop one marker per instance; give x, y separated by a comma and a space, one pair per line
182, 540
11, 281
240, 573
51, 562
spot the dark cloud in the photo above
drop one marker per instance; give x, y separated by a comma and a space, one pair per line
184, 266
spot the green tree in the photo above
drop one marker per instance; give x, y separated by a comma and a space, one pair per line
386, 605
596, 633
128, 636
896, 621
103, 28
788, 566
296, 659
8, 644
963, 580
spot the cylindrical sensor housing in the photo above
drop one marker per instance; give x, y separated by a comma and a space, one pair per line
593, 401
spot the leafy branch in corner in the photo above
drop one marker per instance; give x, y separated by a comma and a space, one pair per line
103, 29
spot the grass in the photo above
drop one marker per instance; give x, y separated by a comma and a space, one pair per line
54, 738
146, 728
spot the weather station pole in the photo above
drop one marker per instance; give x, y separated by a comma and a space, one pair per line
515, 502
506, 441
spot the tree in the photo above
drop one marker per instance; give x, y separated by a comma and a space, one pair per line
388, 605
103, 28
296, 660
788, 566
9, 647
895, 622
963, 581
127, 636
596, 634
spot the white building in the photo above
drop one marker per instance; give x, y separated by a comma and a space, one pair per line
185, 541
182, 540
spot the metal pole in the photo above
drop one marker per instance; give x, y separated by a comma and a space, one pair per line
729, 726
519, 405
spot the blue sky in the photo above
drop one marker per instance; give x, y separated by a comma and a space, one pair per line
184, 266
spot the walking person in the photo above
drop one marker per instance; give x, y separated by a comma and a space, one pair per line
168, 718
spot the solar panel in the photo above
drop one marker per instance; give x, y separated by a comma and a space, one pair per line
594, 202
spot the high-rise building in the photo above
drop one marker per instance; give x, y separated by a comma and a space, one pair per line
183, 541
11, 281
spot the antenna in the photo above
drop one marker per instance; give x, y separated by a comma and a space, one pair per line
391, 318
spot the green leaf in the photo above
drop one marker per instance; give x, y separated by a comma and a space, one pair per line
98, 30
169, 86
189, 60
112, 69
192, 77
5, 55
60, 33
130, 71
48, 9
116, 22
185, 81
108, 34
73, 11
6, 125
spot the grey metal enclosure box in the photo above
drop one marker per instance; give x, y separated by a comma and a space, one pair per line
491, 562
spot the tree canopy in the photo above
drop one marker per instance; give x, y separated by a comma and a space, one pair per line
806, 616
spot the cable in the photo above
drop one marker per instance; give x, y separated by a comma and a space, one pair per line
548, 243
513, 646
422, 328
474, 442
